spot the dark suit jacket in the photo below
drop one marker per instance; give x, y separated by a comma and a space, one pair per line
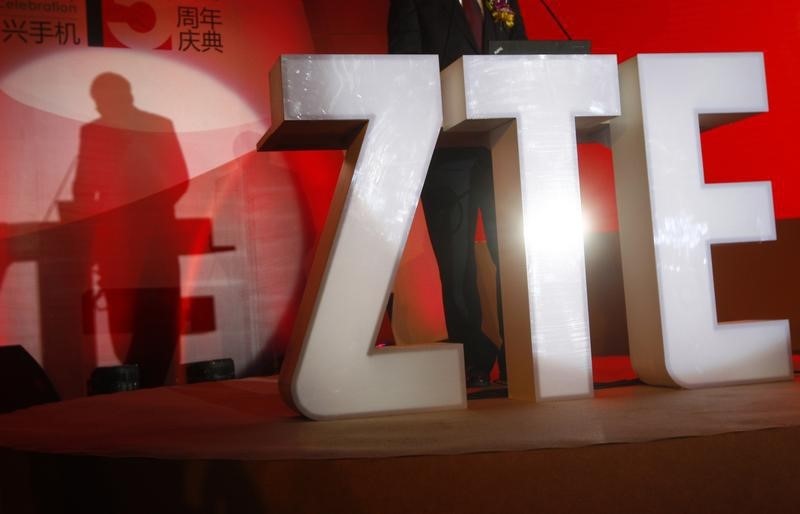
440, 27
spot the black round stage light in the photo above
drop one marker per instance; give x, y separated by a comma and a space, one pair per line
114, 379
210, 371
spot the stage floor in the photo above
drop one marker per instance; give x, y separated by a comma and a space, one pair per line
246, 419
234, 447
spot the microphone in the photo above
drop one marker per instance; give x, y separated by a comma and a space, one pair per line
555, 18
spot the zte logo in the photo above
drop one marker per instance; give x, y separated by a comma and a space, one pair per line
129, 24
389, 111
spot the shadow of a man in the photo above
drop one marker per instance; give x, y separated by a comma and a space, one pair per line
130, 174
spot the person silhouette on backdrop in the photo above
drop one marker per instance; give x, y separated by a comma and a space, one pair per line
130, 174
459, 180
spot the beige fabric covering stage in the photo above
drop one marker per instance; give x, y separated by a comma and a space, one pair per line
234, 447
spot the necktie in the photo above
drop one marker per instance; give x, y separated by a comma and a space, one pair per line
475, 20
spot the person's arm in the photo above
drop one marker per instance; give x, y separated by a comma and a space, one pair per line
404, 29
88, 173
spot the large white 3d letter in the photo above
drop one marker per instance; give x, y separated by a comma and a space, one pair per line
387, 111
669, 217
540, 230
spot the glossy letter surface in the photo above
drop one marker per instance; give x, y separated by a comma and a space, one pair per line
540, 221
669, 217
332, 370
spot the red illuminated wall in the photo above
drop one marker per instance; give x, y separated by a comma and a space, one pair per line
246, 222
96, 248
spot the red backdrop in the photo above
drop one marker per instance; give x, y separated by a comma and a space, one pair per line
251, 219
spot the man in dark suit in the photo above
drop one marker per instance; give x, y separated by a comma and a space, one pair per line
459, 180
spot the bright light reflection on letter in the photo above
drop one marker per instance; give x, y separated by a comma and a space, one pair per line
543, 280
331, 371
669, 217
